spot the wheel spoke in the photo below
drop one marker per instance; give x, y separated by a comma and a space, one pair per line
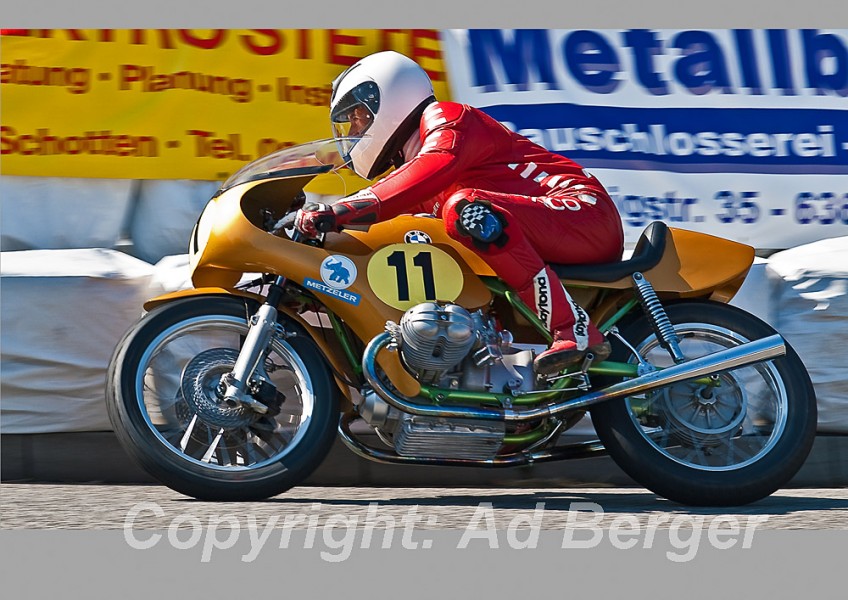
269, 437
695, 411
723, 417
257, 447
735, 452
730, 452
697, 450
250, 449
664, 438
223, 454
187, 435
212, 447
746, 395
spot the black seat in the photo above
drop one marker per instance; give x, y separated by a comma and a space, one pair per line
648, 252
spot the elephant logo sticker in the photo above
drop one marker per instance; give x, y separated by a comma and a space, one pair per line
338, 272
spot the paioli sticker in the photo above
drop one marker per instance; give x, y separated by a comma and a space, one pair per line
403, 275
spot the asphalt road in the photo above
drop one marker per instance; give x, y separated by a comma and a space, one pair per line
143, 541
95, 507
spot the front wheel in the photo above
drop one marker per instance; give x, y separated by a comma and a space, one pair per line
722, 441
165, 404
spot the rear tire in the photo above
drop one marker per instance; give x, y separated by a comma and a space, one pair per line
711, 445
200, 449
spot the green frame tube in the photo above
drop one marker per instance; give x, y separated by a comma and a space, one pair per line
439, 395
528, 437
347, 345
610, 323
603, 369
498, 287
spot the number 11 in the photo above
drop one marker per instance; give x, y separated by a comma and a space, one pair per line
424, 261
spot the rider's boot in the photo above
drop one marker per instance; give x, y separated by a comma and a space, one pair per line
574, 335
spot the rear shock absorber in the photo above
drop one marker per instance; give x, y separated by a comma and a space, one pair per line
656, 315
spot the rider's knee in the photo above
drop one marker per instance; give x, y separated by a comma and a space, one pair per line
474, 219
452, 207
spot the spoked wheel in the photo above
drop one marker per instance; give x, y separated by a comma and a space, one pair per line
724, 440
165, 400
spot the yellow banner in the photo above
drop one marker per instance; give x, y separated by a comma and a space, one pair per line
178, 104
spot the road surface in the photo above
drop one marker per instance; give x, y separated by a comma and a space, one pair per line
43, 506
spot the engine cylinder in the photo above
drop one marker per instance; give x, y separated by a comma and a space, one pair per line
436, 338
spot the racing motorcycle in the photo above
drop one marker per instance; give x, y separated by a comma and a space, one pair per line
407, 346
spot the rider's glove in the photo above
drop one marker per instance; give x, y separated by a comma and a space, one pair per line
355, 211
314, 219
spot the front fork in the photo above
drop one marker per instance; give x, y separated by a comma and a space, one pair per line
235, 386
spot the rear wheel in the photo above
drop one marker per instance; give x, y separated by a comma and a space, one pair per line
165, 403
724, 441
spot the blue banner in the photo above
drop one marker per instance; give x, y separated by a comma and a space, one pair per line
740, 140
741, 133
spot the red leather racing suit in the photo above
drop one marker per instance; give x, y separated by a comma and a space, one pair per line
550, 208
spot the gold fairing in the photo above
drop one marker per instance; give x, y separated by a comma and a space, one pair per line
693, 264
237, 244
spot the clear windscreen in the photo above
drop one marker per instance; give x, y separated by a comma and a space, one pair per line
311, 158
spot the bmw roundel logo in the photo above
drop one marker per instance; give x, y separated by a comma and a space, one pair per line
417, 237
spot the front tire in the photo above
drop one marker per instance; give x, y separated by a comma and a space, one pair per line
727, 442
161, 398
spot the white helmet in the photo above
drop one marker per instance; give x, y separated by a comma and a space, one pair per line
375, 107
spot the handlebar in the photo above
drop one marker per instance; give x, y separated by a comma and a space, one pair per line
287, 222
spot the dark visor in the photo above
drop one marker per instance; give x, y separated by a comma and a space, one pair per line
366, 93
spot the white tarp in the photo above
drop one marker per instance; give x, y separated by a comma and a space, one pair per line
165, 215
62, 314
755, 295
171, 274
811, 308
51, 212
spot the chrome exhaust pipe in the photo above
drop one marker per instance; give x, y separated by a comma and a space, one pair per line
725, 360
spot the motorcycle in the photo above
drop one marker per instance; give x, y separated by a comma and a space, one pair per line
407, 346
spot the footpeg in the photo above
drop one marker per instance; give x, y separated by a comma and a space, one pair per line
587, 362
582, 374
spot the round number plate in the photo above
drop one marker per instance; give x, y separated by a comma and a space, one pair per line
403, 275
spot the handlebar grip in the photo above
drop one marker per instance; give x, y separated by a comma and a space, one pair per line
287, 222
326, 225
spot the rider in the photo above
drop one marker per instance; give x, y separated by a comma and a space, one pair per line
511, 201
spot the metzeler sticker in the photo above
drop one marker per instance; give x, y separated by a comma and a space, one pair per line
417, 237
338, 272
322, 287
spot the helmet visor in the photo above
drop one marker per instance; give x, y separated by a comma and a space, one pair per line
354, 114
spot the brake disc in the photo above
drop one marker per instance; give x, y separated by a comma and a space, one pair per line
200, 387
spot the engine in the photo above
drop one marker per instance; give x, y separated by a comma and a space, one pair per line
434, 339
446, 346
